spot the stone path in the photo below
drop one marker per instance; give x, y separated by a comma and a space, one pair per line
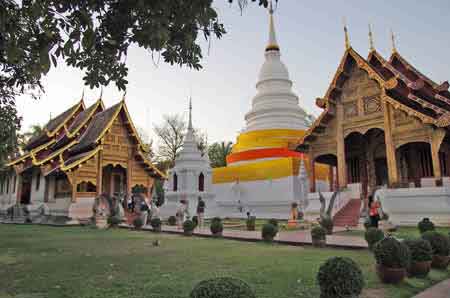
440, 290
285, 237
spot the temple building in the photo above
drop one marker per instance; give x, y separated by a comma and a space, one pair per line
261, 175
385, 126
80, 154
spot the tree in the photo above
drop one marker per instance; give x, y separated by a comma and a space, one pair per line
9, 128
171, 134
218, 152
24, 138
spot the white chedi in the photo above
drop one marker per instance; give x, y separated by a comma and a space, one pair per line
190, 178
275, 106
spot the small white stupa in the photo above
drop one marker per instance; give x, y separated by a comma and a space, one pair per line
190, 178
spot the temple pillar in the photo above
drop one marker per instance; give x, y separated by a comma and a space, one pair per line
99, 172
129, 172
18, 187
342, 164
436, 141
312, 177
390, 148
74, 185
331, 177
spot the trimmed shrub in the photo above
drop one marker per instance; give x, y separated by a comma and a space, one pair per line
195, 221
420, 250
222, 287
188, 227
251, 223
113, 221
138, 223
268, 232
327, 224
392, 253
425, 225
172, 220
216, 226
273, 222
318, 233
156, 223
372, 236
440, 243
340, 277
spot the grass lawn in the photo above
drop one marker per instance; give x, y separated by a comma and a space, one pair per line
39, 261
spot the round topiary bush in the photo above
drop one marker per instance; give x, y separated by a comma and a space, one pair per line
425, 225
273, 221
391, 253
251, 223
113, 221
222, 287
216, 226
268, 232
156, 224
138, 223
188, 227
172, 220
440, 243
318, 236
327, 224
195, 221
372, 236
420, 249
340, 277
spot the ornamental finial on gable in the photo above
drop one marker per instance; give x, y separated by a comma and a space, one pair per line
394, 47
347, 39
371, 43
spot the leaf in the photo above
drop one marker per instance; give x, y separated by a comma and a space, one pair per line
88, 39
54, 61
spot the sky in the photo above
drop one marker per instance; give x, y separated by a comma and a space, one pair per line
311, 38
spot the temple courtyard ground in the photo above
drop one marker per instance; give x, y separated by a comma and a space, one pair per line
58, 262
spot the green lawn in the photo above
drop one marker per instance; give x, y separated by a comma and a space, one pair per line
50, 262
402, 232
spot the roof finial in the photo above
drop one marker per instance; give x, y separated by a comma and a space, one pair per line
101, 92
347, 39
272, 44
82, 95
394, 47
124, 94
190, 113
371, 44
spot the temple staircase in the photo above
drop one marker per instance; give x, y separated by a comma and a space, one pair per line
349, 214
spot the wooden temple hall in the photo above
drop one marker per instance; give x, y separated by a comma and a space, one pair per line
81, 153
384, 124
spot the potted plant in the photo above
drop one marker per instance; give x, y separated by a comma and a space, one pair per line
216, 227
113, 221
195, 221
172, 221
318, 236
440, 245
392, 258
327, 224
188, 227
340, 277
372, 236
425, 225
222, 287
138, 223
251, 223
421, 255
156, 224
268, 232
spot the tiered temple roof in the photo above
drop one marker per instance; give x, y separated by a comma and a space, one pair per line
402, 86
75, 136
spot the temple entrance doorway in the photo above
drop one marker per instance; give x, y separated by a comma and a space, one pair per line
114, 180
366, 160
415, 163
25, 188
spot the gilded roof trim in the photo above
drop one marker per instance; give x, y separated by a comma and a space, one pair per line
31, 153
53, 154
97, 104
81, 160
63, 123
152, 166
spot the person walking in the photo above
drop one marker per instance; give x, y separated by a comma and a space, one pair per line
374, 212
200, 212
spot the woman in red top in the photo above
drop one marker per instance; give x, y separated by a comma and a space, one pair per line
374, 212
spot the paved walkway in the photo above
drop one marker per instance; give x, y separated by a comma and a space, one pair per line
285, 237
440, 290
